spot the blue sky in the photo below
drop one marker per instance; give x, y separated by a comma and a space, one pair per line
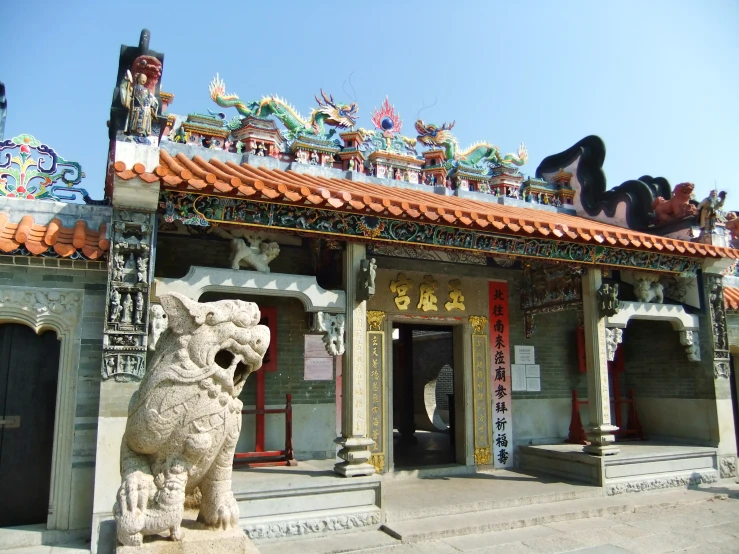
657, 80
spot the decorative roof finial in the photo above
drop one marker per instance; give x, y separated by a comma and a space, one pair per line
144, 41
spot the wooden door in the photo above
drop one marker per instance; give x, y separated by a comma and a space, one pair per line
29, 365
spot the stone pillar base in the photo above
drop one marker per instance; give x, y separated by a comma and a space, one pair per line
601, 441
356, 454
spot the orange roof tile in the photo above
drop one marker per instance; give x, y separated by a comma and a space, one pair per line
64, 240
262, 184
731, 298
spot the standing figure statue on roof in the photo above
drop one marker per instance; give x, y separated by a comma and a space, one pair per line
709, 211
141, 104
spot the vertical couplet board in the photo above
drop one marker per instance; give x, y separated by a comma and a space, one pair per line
500, 352
376, 383
481, 390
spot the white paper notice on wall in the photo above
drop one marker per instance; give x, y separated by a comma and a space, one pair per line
518, 377
314, 347
533, 384
533, 370
319, 369
524, 354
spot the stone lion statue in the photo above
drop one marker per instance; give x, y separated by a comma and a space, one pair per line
677, 207
258, 255
647, 288
184, 421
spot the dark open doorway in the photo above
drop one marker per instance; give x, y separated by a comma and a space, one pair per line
29, 367
423, 396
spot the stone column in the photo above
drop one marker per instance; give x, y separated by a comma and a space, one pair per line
601, 431
722, 420
355, 444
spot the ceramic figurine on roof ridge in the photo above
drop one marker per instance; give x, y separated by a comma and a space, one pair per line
677, 207
329, 113
141, 104
435, 136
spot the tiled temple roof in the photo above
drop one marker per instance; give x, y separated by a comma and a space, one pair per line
731, 298
261, 184
64, 240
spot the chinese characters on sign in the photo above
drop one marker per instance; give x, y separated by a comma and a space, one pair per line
501, 373
427, 299
375, 350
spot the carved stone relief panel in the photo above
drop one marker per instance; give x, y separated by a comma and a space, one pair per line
127, 310
715, 296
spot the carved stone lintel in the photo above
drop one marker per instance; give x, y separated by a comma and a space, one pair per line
691, 341
374, 320
301, 527
682, 481
478, 323
332, 325
613, 339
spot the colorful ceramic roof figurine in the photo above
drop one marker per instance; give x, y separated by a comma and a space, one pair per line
328, 114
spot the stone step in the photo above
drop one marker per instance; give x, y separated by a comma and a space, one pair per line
439, 527
311, 523
334, 544
394, 516
27, 536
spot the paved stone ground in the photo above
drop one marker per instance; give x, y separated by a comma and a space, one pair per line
705, 528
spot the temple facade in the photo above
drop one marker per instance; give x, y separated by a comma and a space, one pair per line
428, 308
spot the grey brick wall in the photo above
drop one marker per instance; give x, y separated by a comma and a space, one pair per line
656, 365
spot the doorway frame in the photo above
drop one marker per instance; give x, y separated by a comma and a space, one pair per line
60, 311
462, 354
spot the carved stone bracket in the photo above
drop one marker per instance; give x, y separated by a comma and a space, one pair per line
691, 341
614, 336
366, 279
332, 325
607, 299
127, 311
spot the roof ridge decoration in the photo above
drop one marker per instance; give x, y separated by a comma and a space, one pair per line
329, 113
436, 136
45, 176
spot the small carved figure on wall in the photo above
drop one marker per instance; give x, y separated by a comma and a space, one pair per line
313, 158
126, 316
366, 279
253, 149
370, 169
157, 324
115, 306
260, 149
118, 263
138, 312
398, 175
142, 263
351, 165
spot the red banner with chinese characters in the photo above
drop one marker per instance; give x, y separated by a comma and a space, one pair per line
500, 356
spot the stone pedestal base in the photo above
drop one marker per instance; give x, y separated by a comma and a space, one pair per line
601, 441
197, 540
356, 454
